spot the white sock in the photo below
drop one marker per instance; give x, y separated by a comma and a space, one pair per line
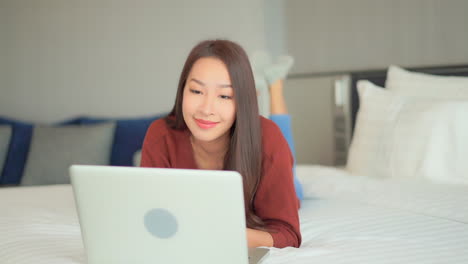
278, 70
263, 94
260, 60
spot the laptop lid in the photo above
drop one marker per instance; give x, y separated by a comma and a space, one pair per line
153, 215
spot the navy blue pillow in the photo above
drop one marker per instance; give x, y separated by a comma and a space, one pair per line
128, 137
17, 151
72, 121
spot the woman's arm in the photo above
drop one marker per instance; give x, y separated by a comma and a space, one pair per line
276, 202
257, 238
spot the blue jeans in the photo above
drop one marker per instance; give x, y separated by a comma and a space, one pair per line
284, 123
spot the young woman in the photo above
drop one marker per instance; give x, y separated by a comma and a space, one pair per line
215, 125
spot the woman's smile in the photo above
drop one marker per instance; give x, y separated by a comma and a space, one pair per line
205, 124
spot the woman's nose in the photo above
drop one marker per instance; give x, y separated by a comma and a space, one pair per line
207, 106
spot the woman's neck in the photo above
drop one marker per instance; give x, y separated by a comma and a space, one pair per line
210, 155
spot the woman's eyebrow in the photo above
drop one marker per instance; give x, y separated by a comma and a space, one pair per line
203, 84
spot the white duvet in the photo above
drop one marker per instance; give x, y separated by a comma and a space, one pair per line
344, 219
352, 219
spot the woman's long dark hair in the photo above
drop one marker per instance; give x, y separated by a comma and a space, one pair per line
245, 149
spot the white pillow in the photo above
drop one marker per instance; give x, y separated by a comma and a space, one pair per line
409, 83
408, 137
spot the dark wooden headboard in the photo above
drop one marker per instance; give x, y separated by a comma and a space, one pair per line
379, 77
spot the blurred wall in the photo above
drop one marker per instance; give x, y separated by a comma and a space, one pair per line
336, 35
62, 58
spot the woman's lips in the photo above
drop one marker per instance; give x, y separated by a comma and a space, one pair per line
204, 124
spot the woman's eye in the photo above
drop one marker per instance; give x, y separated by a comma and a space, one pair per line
195, 91
225, 97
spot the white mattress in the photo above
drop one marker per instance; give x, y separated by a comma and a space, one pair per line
344, 219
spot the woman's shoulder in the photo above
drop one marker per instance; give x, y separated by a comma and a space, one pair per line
159, 127
272, 137
160, 130
269, 128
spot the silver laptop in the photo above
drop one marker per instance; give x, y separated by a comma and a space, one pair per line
151, 215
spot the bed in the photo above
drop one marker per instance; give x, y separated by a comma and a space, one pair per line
346, 216
344, 219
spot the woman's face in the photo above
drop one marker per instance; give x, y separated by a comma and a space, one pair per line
208, 101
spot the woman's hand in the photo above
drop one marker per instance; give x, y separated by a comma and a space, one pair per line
257, 238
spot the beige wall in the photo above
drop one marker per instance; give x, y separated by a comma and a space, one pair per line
310, 103
108, 58
335, 35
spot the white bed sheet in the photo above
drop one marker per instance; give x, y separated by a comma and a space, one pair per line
339, 231
344, 219
353, 219
39, 225
416, 196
